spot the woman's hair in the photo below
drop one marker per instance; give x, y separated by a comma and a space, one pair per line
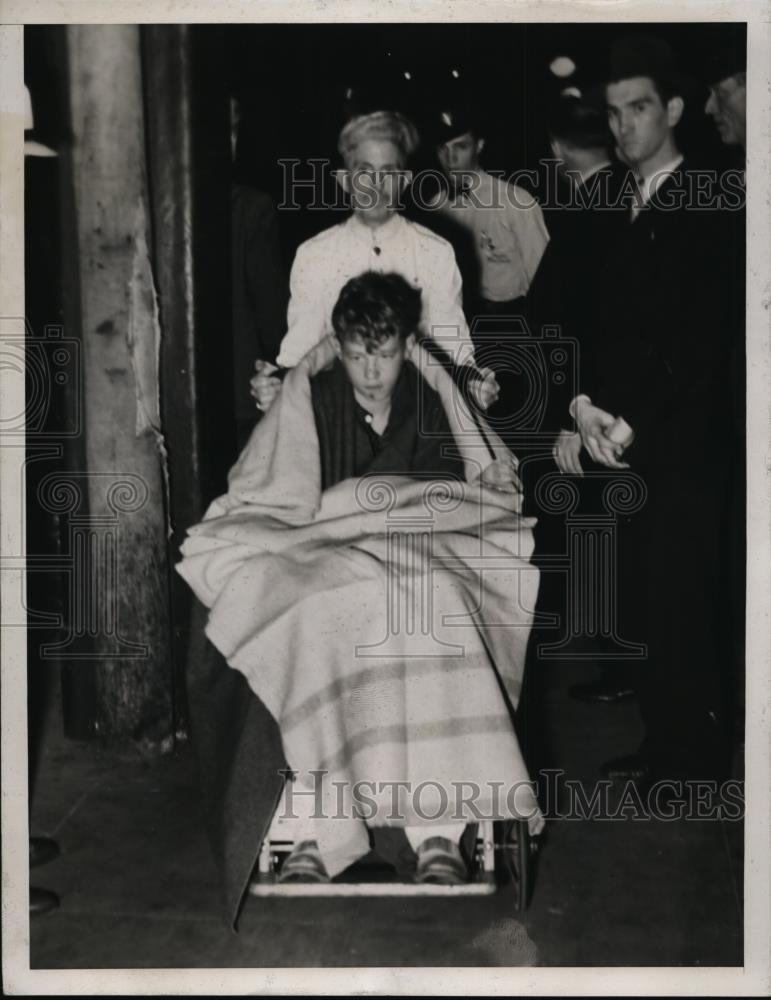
387, 126
375, 307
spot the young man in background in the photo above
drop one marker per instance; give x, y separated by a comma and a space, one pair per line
503, 220
656, 399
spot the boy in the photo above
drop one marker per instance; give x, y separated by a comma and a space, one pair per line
374, 149
294, 564
366, 405
374, 414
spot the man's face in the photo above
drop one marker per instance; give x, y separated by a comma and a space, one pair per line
727, 105
460, 155
373, 369
640, 122
375, 179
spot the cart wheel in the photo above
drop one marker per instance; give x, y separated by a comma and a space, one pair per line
515, 850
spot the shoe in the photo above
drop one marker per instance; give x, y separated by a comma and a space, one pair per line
604, 691
41, 851
42, 901
304, 864
440, 863
630, 767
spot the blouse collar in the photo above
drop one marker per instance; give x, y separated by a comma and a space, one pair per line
383, 233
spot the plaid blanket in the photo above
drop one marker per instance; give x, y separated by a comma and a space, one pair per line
383, 622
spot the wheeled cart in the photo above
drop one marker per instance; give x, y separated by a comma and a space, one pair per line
504, 853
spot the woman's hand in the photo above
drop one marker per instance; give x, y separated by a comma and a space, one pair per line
502, 475
485, 390
262, 387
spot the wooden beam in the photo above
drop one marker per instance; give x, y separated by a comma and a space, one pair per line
188, 157
124, 575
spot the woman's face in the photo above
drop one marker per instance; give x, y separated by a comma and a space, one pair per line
375, 178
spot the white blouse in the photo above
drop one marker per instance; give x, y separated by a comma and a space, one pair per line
325, 262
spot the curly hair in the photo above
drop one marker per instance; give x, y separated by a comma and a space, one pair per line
389, 126
375, 307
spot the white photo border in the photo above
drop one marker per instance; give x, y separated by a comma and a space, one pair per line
755, 977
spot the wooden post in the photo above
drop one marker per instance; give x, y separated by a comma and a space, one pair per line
123, 577
188, 156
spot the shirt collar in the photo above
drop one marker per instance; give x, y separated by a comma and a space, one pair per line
649, 185
585, 175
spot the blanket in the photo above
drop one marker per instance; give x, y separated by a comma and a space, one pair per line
383, 622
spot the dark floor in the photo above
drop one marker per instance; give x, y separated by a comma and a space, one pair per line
139, 889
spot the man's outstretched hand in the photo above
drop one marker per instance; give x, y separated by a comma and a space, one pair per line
621, 433
567, 451
594, 426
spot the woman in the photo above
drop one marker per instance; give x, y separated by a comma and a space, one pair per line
375, 149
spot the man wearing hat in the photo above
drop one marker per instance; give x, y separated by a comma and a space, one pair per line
504, 222
727, 103
499, 236
569, 277
655, 400
564, 293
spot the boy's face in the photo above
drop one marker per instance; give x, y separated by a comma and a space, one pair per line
374, 178
460, 155
373, 373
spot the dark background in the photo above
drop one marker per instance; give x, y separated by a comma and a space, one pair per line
293, 81
296, 84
